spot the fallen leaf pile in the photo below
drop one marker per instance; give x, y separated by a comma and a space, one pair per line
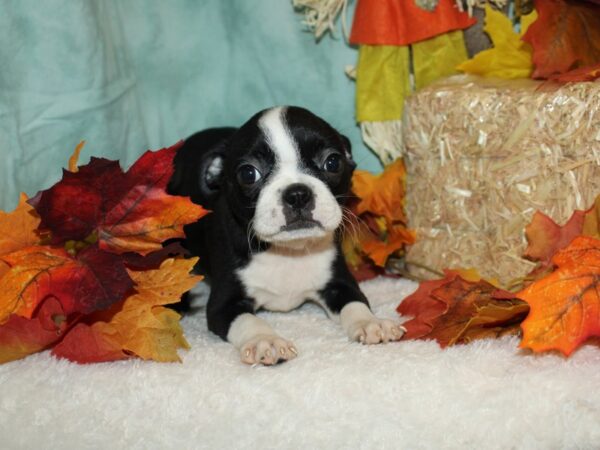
83, 269
377, 227
557, 306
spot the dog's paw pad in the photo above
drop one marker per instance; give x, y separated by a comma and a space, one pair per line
267, 350
376, 331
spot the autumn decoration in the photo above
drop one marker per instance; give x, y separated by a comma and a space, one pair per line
376, 228
83, 270
556, 307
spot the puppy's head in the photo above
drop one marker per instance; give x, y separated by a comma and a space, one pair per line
286, 175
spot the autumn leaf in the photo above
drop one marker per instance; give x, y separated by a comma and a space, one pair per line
129, 211
588, 73
510, 57
84, 344
139, 325
546, 237
565, 305
91, 281
18, 228
20, 337
453, 310
382, 194
566, 36
379, 248
591, 221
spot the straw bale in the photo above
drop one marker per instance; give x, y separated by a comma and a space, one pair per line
483, 155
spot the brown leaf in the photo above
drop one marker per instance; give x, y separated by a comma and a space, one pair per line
453, 310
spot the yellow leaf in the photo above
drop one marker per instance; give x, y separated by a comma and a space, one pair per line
438, 57
18, 228
382, 82
509, 58
145, 327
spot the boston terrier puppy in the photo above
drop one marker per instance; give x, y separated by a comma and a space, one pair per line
276, 187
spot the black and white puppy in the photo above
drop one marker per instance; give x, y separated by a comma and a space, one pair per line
276, 187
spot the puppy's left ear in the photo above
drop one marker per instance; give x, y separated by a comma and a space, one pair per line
348, 150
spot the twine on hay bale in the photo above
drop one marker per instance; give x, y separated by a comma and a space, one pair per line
483, 155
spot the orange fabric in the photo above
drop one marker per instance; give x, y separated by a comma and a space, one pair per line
402, 22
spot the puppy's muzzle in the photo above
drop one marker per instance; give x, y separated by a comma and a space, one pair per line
298, 203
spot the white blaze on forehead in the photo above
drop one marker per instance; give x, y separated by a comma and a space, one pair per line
281, 142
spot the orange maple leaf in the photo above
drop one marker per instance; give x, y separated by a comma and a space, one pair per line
382, 194
380, 248
565, 305
139, 325
18, 228
565, 36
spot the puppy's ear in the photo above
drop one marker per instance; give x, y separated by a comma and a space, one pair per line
198, 166
348, 150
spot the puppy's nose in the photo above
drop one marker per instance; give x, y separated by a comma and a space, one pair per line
297, 195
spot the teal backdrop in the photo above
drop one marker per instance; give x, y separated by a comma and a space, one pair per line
133, 75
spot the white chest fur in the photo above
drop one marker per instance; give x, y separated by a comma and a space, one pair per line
281, 279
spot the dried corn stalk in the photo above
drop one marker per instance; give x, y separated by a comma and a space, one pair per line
320, 15
483, 155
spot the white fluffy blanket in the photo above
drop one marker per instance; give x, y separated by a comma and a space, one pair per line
336, 394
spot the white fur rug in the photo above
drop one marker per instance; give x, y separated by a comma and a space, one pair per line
336, 394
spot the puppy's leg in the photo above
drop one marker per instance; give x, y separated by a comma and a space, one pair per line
234, 321
343, 297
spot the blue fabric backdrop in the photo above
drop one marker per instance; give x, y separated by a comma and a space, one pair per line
137, 74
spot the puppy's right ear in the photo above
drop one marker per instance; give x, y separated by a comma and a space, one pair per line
198, 166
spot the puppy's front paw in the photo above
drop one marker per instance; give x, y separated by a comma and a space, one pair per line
267, 349
375, 331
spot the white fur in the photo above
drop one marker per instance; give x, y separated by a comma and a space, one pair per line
246, 327
336, 394
269, 217
281, 279
361, 325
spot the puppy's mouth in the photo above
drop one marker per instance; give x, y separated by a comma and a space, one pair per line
301, 224
294, 234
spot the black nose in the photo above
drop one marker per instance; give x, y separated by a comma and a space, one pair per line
297, 195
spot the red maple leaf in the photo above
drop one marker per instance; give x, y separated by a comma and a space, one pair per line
91, 281
129, 211
565, 36
453, 310
20, 337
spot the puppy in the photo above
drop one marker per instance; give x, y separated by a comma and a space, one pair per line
276, 187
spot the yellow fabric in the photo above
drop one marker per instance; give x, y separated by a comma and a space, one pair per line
438, 57
510, 57
382, 82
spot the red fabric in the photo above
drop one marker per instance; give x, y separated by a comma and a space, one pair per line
402, 22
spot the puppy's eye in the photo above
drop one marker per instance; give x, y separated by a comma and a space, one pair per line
333, 163
248, 175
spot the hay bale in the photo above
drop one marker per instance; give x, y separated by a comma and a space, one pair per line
483, 155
